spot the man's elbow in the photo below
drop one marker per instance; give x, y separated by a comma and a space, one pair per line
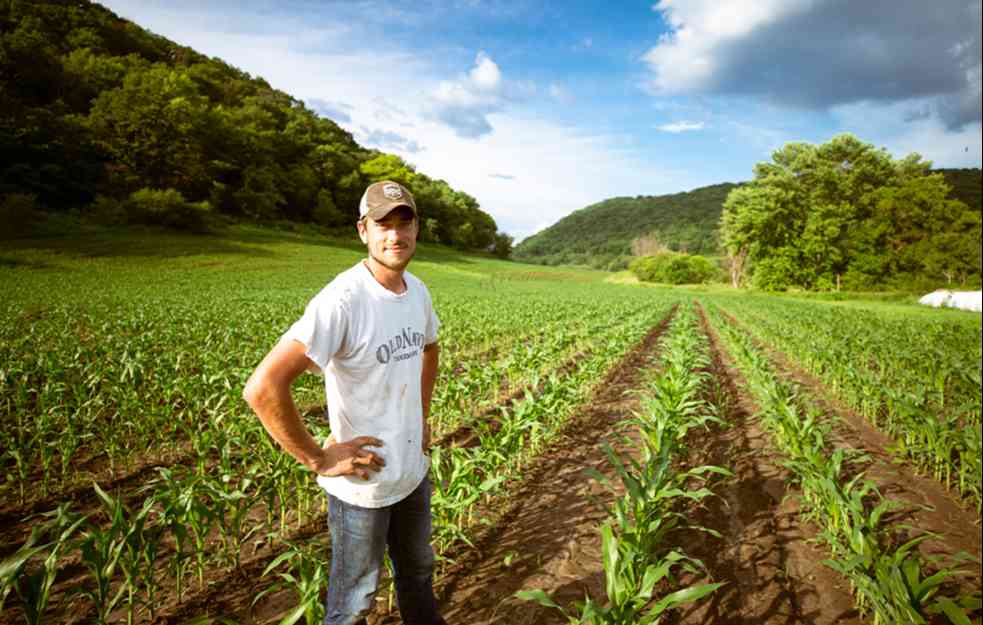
255, 392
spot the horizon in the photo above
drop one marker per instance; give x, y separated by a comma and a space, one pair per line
540, 111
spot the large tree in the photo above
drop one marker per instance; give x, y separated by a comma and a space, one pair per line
846, 213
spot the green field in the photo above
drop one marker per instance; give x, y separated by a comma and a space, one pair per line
136, 481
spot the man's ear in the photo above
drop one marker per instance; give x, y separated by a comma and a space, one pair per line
360, 226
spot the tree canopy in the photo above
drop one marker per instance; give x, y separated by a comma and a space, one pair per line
602, 234
847, 214
91, 105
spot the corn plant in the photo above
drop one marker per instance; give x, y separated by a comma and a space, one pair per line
629, 588
306, 577
635, 556
34, 587
886, 576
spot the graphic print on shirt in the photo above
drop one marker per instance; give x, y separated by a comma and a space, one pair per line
403, 345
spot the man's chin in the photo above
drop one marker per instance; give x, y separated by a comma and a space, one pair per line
392, 264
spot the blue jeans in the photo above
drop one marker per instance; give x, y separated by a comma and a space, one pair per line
359, 537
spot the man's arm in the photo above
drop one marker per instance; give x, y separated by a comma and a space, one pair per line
427, 380
268, 393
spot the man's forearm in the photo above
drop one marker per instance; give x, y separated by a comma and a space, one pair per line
268, 393
279, 415
428, 378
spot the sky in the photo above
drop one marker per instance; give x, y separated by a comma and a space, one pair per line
538, 109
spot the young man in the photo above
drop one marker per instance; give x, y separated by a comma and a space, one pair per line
373, 333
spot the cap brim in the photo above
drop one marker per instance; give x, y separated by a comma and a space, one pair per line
379, 212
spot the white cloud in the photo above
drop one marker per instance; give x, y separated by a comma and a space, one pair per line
464, 104
677, 127
563, 169
485, 75
687, 58
818, 54
895, 128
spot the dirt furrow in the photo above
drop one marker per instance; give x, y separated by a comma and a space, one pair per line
547, 536
773, 574
929, 506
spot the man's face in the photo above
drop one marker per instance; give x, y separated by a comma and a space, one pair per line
391, 240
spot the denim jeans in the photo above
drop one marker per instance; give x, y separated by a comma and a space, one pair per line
359, 537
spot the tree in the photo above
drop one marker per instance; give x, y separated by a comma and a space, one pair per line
815, 215
502, 247
151, 125
388, 167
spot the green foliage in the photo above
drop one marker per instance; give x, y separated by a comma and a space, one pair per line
18, 214
601, 234
167, 207
326, 213
107, 211
91, 104
502, 247
818, 216
675, 268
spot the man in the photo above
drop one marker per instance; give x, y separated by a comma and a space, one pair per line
373, 333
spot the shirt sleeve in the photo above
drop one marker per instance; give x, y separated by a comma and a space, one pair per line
433, 323
322, 328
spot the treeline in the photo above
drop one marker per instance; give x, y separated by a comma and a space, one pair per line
601, 235
845, 215
97, 113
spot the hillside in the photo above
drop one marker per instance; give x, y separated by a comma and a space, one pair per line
600, 235
93, 108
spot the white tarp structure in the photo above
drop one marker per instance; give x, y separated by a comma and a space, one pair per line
963, 300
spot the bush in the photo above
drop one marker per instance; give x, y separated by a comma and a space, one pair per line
675, 268
167, 207
776, 273
326, 213
107, 211
19, 213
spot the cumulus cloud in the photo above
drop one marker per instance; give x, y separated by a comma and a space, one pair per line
464, 105
818, 54
485, 75
502, 176
677, 127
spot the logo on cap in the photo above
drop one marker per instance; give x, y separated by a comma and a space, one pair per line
392, 191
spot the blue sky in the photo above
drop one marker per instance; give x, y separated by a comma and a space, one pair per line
538, 109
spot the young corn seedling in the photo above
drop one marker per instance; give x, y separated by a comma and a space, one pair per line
629, 588
306, 577
34, 587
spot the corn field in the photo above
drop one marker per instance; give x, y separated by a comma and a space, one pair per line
137, 486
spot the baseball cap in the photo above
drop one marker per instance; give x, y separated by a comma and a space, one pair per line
382, 197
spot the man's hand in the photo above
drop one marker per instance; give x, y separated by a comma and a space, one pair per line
349, 458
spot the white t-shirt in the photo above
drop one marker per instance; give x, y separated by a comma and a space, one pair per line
368, 342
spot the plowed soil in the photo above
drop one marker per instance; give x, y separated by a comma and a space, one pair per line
548, 536
927, 504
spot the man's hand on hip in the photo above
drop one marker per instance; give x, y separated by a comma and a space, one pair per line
350, 458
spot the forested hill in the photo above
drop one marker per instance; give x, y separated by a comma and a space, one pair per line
95, 110
601, 234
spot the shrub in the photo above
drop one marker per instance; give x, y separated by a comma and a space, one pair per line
167, 207
19, 213
675, 268
326, 213
107, 211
